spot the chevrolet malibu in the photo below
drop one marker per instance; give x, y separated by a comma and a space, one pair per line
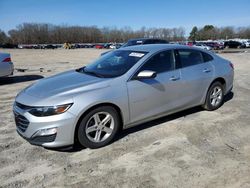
123, 88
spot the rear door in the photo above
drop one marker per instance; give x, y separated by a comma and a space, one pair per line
150, 97
196, 74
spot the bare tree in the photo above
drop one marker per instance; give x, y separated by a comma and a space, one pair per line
42, 33
3, 37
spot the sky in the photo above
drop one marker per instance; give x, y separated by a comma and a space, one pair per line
121, 13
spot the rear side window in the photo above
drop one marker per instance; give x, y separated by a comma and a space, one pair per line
161, 62
207, 57
190, 57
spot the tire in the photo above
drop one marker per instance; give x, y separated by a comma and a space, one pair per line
213, 100
93, 132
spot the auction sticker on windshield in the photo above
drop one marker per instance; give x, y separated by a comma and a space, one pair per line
136, 54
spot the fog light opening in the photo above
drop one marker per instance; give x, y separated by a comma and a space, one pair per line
45, 132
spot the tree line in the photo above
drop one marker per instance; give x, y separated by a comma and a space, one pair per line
43, 33
210, 32
37, 33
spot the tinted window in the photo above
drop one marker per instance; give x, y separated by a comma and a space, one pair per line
155, 41
207, 57
190, 57
163, 41
161, 62
148, 41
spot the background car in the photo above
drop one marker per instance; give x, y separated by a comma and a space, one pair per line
6, 65
115, 46
215, 45
202, 46
8, 45
50, 46
99, 46
143, 41
124, 88
139, 41
190, 43
234, 44
247, 43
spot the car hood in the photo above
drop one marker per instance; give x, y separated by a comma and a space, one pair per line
64, 84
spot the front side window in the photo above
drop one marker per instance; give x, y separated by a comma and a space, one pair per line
190, 57
114, 63
161, 62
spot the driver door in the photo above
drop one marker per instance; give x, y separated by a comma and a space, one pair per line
153, 96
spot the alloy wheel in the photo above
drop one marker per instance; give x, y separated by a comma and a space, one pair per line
216, 96
99, 127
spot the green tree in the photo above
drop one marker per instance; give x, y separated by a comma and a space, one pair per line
208, 32
193, 34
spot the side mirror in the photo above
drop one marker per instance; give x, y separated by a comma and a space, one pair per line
146, 74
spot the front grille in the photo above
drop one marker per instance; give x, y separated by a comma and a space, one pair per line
21, 122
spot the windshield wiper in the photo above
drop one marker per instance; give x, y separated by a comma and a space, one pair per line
82, 70
94, 73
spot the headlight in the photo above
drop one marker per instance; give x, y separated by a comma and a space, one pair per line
49, 110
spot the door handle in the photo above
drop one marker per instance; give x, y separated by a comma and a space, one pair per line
206, 70
173, 78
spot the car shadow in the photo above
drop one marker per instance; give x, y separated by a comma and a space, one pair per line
68, 149
158, 121
167, 118
19, 79
228, 96
140, 127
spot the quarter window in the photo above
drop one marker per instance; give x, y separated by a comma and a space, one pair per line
207, 57
161, 62
190, 57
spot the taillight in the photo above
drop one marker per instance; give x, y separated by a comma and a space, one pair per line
231, 65
8, 59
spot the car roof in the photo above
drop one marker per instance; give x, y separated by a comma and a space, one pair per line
156, 47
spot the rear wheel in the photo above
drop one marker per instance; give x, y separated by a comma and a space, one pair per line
98, 127
215, 97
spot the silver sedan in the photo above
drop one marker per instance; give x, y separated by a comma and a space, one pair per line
123, 88
6, 65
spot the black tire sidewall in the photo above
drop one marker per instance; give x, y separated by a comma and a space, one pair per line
82, 137
208, 105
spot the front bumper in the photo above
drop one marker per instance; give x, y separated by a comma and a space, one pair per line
39, 140
28, 125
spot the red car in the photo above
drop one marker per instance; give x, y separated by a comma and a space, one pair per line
99, 46
215, 45
190, 43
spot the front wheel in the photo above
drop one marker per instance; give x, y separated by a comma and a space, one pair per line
98, 127
215, 97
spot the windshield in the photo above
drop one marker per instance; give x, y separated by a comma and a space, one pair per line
113, 64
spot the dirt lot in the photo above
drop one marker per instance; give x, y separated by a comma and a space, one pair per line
194, 148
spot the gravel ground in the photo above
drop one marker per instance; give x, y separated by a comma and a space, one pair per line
193, 148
